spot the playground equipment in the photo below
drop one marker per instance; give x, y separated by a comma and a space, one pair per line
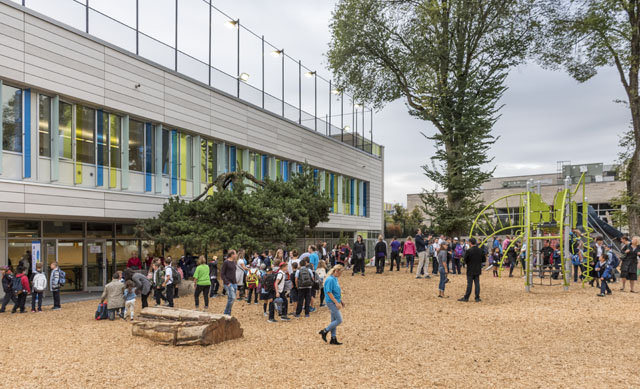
532, 221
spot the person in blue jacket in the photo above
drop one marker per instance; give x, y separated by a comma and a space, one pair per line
605, 271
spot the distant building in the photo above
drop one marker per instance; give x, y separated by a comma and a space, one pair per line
601, 187
389, 209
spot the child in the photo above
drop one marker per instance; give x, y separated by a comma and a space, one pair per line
264, 293
253, 279
293, 295
321, 273
129, 298
604, 271
7, 281
213, 275
21, 292
495, 260
39, 285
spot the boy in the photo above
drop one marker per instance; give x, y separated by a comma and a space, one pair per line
7, 280
304, 283
39, 285
21, 291
604, 270
54, 285
253, 280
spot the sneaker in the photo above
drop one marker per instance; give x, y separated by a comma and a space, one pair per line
271, 321
600, 295
427, 276
56, 308
311, 310
33, 310
296, 316
256, 303
463, 299
284, 318
478, 300
306, 315
265, 314
418, 277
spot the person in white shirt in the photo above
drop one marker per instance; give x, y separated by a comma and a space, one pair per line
168, 281
281, 278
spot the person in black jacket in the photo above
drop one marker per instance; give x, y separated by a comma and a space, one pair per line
473, 259
359, 254
381, 254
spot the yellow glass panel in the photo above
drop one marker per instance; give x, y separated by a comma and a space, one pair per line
183, 164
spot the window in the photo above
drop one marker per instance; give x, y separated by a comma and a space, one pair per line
64, 129
136, 146
115, 131
211, 162
166, 152
12, 119
203, 160
44, 125
188, 161
85, 128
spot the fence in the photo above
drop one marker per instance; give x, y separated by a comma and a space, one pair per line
257, 72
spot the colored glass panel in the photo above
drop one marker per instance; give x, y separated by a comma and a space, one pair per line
11, 106
44, 125
115, 136
136, 146
64, 129
174, 162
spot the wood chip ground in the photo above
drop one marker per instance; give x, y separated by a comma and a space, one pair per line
396, 334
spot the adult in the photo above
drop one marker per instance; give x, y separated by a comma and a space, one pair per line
458, 253
423, 261
629, 267
304, 280
143, 285
323, 251
228, 274
241, 272
333, 297
314, 257
134, 262
201, 282
381, 254
473, 259
395, 253
213, 276
54, 285
359, 254
114, 294
409, 252
442, 263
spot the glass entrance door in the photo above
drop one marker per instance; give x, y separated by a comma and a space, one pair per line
49, 256
71, 261
96, 265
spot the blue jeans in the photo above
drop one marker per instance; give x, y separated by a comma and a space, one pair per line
443, 278
410, 258
604, 287
336, 318
231, 290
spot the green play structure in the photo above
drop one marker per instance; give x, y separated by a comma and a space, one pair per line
531, 221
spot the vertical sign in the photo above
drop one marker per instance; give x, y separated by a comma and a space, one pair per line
35, 254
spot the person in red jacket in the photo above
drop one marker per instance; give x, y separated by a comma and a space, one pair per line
26, 290
134, 262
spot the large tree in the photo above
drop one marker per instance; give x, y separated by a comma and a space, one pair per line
448, 60
583, 36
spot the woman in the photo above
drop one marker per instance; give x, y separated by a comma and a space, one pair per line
202, 282
629, 267
381, 254
278, 258
333, 295
409, 252
359, 254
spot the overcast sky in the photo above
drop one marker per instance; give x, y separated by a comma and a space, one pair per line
547, 116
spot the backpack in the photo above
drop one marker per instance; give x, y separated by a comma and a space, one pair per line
459, 251
305, 279
101, 312
269, 280
432, 251
62, 278
252, 280
16, 285
318, 281
575, 260
175, 275
39, 282
614, 261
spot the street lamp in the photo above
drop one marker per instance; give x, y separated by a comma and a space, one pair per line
244, 77
231, 23
336, 91
310, 74
276, 53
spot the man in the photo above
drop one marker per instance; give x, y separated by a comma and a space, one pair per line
473, 259
304, 282
54, 285
313, 257
324, 251
421, 249
7, 281
395, 253
228, 274
114, 294
168, 283
134, 262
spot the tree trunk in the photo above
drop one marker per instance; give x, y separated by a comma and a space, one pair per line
182, 327
633, 187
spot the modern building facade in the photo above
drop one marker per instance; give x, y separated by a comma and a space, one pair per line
95, 137
601, 186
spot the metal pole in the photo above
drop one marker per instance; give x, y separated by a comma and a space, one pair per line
315, 100
209, 69
353, 123
87, 16
299, 92
341, 116
371, 130
263, 72
282, 55
363, 135
176, 50
137, 29
238, 58
329, 107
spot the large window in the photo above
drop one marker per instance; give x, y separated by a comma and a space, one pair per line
166, 151
203, 160
211, 162
44, 125
115, 124
85, 131
11, 119
136, 146
64, 136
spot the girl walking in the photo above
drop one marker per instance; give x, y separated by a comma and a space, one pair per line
333, 295
409, 252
